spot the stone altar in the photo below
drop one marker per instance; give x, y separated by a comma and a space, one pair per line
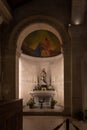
42, 97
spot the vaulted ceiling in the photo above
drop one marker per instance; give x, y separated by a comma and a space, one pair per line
76, 8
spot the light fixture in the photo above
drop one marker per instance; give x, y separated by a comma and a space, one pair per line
69, 24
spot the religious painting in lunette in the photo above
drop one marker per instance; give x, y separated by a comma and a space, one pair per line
41, 43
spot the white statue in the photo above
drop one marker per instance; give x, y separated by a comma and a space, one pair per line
43, 77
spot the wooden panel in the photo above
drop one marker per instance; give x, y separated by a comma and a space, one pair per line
11, 115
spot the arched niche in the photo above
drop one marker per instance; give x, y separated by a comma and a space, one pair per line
50, 24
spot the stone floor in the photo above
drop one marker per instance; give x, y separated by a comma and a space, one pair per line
48, 119
44, 111
50, 122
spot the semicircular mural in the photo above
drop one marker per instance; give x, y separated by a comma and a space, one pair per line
41, 43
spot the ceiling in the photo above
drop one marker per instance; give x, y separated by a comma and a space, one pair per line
76, 9
17, 3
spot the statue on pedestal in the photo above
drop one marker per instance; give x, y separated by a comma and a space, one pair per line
43, 77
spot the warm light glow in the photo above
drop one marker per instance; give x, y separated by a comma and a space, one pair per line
77, 22
29, 69
69, 25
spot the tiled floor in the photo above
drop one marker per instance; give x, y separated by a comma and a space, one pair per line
49, 123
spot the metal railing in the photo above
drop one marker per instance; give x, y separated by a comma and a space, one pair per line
67, 121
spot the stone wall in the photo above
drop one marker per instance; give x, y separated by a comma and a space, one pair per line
79, 48
50, 8
7, 65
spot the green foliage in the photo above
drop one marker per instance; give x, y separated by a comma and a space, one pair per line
53, 102
31, 102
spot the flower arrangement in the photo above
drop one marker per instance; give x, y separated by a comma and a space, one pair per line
31, 103
53, 103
